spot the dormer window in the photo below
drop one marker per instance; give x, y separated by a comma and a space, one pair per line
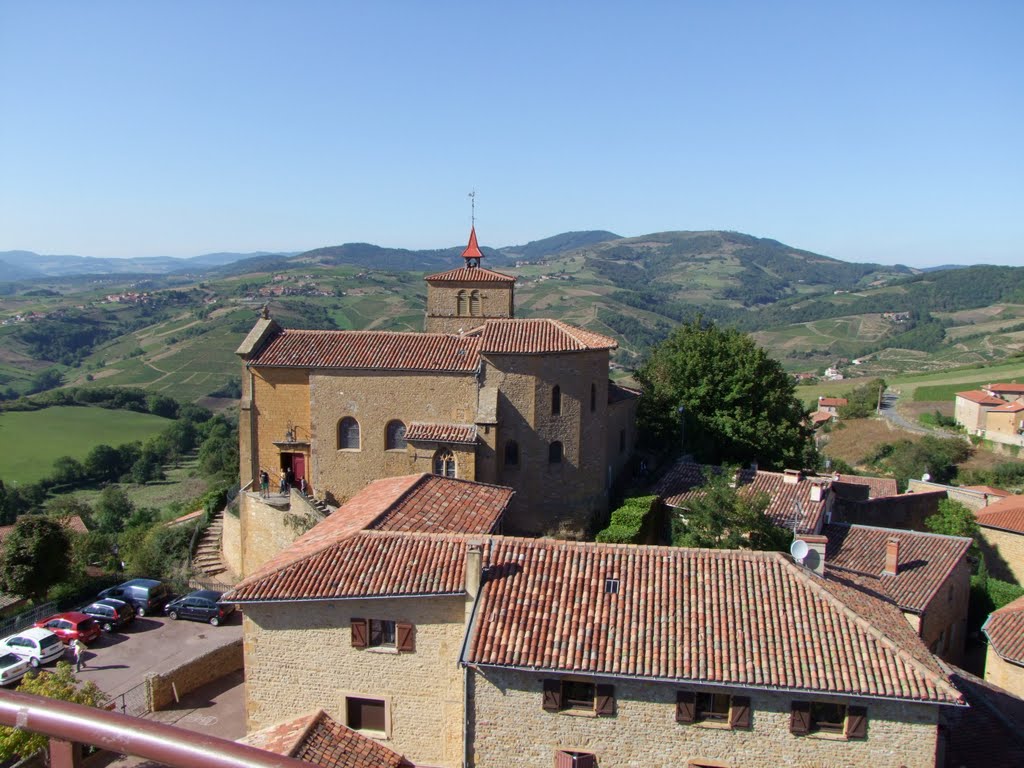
611, 586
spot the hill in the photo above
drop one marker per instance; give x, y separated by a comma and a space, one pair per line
26, 265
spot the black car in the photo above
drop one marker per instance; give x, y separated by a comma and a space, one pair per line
110, 613
201, 605
145, 595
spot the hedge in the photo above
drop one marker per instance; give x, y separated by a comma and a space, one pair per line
627, 521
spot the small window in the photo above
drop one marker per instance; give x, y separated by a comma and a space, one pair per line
555, 453
576, 695
622, 441
573, 695
827, 717
382, 634
713, 707
394, 436
949, 596
462, 304
593, 397
444, 463
348, 434
611, 586
575, 760
366, 714
474, 303
556, 400
511, 454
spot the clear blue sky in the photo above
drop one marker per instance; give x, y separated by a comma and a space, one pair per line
888, 131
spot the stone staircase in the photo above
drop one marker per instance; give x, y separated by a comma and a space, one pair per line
207, 559
320, 505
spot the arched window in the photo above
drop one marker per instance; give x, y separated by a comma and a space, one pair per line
461, 303
593, 397
556, 400
555, 453
444, 463
474, 303
511, 454
394, 436
348, 434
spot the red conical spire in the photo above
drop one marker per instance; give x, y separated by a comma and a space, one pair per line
472, 250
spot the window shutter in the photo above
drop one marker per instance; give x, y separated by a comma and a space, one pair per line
585, 760
605, 700
359, 633
857, 722
739, 712
406, 635
552, 695
686, 707
800, 718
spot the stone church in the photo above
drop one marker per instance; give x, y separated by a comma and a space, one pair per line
479, 395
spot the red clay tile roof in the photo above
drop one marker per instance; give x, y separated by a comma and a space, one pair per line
877, 486
925, 560
528, 337
987, 489
470, 275
1009, 407
789, 503
1005, 631
752, 619
73, 524
370, 349
1010, 389
442, 504
320, 740
1007, 514
833, 402
820, 417
618, 393
993, 717
441, 433
472, 250
981, 398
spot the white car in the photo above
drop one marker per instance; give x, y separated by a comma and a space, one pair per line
12, 668
35, 644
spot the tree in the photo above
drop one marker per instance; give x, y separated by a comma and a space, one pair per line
36, 555
953, 519
67, 470
103, 463
59, 684
862, 401
63, 508
723, 517
113, 508
733, 403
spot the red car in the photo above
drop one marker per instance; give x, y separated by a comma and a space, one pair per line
72, 626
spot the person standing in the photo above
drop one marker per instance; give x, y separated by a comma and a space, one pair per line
76, 653
264, 483
283, 485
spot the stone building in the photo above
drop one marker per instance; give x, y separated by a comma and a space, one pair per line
1004, 662
480, 395
1001, 525
469, 648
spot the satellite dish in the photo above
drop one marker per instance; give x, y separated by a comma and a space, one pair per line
926, 477
799, 549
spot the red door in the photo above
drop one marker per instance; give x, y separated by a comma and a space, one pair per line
298, 466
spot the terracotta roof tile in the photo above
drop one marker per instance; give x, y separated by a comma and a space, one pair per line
981, 398
832, 402
1010, 389
537, 337
1007, 514
370, 349
987, 489
72, 523
618, 393
441, 433
470, 275
320, 740
925, 560
790, 503
993, 717
1005, 631
1009, 407
753, 619
877, 486
443, 504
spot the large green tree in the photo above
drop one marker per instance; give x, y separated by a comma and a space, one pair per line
113, 508
718, 394
36, 555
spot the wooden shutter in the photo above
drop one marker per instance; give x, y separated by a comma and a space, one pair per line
857, 722
406, 635
739, 712
585, 760
800, 718
686, 706
604, 700
359, 633
552, 695
563, 759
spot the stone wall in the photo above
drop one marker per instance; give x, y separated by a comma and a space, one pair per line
511, 728
267, 528
299, 658
231, 539
280, 402
496, 301
971, 499
943, 626
907, 511
1003, 673
970, 415
193, 674
1004, 554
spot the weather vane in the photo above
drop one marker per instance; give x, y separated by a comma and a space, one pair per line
472, 207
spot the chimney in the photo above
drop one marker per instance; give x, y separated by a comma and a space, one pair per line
892, 556
474, 564
815, 559
817, 491
792, 476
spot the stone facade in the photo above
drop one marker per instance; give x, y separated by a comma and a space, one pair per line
1004, 554
460, 306
231, 540
266, 527
1003, 673
299, 658
943, 625
510, 727
166, 687
970, 415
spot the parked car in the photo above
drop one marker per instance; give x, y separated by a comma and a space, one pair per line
35, 644
110, 613
12, 668
72, 625
201, 605
145, 595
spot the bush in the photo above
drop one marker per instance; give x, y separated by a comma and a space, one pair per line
627, 521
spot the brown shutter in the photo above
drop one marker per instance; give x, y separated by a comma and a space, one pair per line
739, 712
605, 700
585, 760
686, 706
857, 722
359, 633
552, 695
800, 718
563, 759
406, 634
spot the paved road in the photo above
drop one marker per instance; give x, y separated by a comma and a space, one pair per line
889, 412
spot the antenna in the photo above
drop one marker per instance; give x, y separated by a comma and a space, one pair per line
472, 207
799, 549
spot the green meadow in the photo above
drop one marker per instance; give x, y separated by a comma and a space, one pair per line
30, 441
